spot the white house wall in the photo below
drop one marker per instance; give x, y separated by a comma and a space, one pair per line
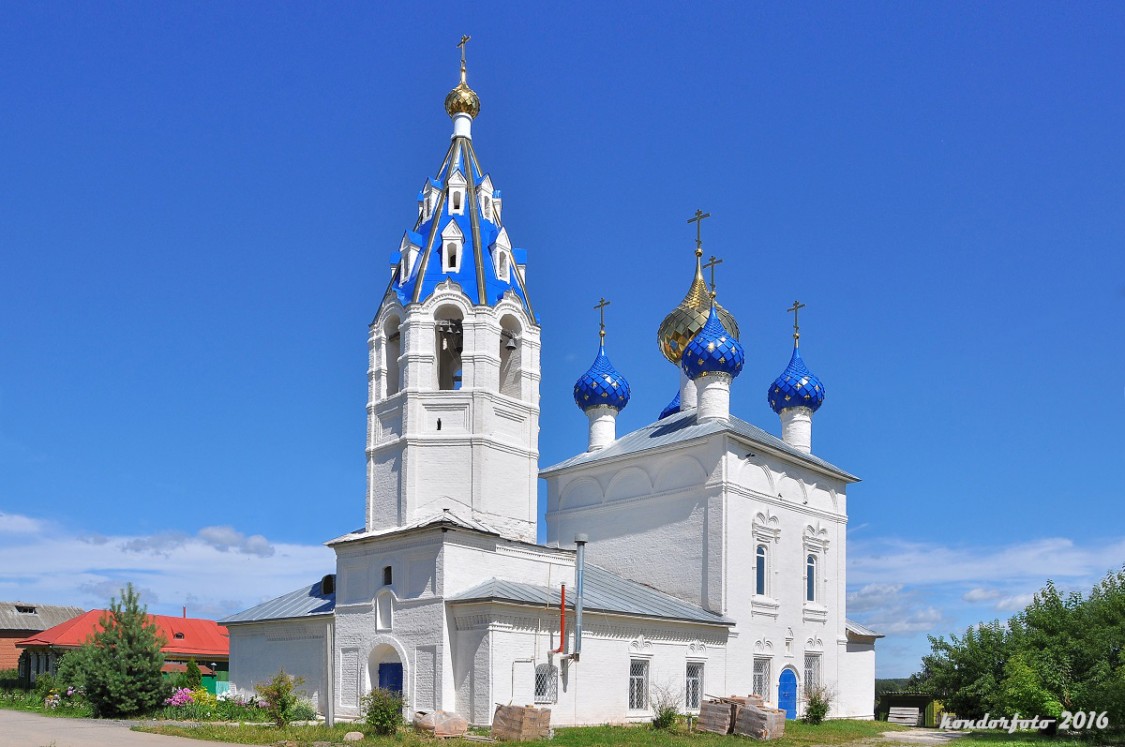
259, 650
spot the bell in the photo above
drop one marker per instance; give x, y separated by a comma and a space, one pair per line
510, 344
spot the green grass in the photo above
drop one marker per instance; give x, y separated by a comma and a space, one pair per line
797, 734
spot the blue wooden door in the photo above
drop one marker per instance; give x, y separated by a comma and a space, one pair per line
390, 677
787, 693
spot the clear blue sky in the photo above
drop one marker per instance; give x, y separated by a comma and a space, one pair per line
199, 201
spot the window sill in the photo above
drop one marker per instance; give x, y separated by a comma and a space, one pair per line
764, 606
813, 612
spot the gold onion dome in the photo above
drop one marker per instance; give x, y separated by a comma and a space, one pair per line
685, 321
462, 99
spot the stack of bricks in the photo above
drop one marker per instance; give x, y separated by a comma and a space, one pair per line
747, 716
513, 723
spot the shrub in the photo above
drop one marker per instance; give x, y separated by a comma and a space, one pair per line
193, 677
9, 679
817, 702
665, 706
382, 710
279, 697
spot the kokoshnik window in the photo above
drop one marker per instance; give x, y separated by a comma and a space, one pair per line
693, 687
638, 685
810, 578
760, 570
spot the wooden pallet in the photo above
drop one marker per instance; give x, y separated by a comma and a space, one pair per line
905, 715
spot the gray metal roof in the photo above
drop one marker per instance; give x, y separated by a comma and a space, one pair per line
602, 592
308, 601
861, 630
682, 427
445, 518
32, 616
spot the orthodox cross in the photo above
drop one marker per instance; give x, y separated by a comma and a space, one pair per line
464, 40
711, 266
601, 315
698, 221
797, 306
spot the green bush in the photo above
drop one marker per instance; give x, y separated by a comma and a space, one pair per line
193, 677
279, 696
45, 684
9, 679
74, 666
382, 710
817, 702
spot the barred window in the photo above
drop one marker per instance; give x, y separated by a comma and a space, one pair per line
693, 690
762, 677
638, 685
546, 683
812, 671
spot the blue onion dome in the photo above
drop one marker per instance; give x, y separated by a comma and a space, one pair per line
714, 350
672, 408
796, 387
602, 384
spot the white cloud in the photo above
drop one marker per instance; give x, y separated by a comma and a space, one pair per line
1014, 602
17, 524
214, 573
980, 595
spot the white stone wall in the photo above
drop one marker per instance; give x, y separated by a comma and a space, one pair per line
687, 519
857, 680
430, 449
515, 639
259, 650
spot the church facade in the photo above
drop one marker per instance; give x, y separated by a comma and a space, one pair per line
699, 555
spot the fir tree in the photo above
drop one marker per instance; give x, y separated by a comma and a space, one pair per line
124, 664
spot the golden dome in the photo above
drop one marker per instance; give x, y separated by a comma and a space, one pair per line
685, 321
462, 100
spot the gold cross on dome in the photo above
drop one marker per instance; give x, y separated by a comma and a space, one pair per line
797, 306
464, 40
698, 221
601, 316
711, 266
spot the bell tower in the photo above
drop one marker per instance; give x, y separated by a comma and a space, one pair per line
453, 401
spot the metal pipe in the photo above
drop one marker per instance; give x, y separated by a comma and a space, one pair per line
580, 572
562, 623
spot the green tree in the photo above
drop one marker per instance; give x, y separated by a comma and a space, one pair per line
194, 674
1022, 691
966, 672
123, 676
74, 666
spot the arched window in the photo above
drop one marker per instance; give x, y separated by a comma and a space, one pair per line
451, 258
546, 683
456, 202
810, 578
392, 350
760, 571
384, 610
387, 575
448, 341
510, 352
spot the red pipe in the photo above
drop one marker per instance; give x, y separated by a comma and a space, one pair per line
562, 623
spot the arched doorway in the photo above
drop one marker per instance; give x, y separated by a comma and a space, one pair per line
385, 668
787, 693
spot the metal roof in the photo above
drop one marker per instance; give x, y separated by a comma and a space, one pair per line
186, 636
603, 591
30, 616
307, 601
445, 518
682, 427
861, 630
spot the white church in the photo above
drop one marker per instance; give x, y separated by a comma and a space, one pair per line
699, 555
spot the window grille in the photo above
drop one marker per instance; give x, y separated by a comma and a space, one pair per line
812, 671
693, 691
762, 678
638, 685
546, 683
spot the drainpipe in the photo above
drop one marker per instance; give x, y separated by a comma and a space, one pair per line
579, 572
562, 623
